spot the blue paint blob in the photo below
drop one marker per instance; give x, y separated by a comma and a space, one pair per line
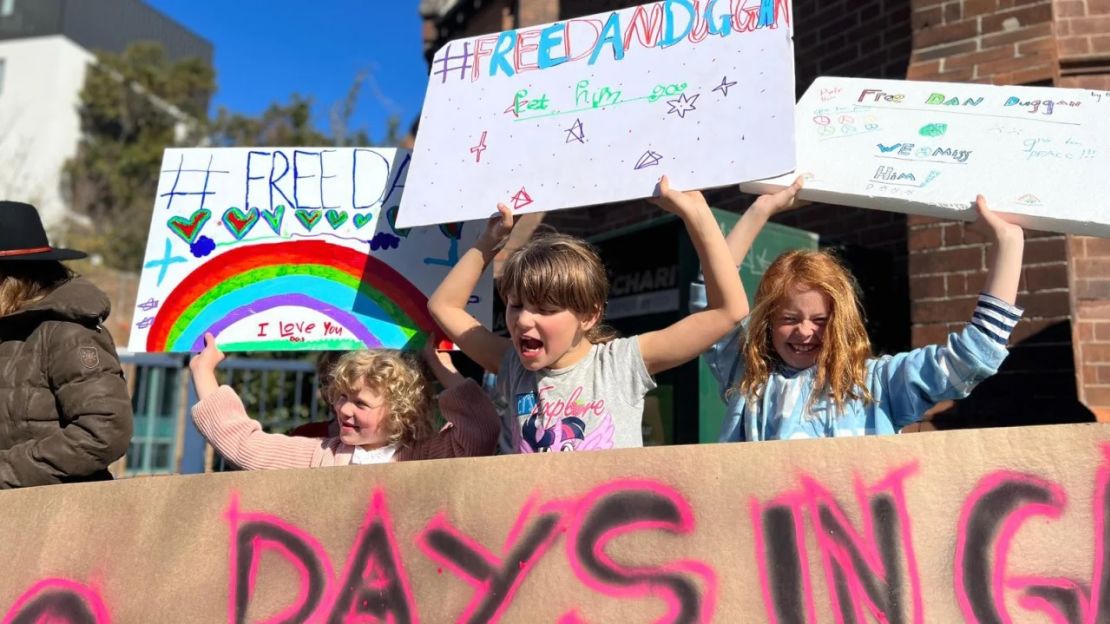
202, 247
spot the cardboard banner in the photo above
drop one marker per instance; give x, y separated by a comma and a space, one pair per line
1004, 525
281, 249
929, 148
593, 110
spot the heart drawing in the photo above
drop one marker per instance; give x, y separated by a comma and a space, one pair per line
189, 228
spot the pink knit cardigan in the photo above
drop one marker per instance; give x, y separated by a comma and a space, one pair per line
472, 429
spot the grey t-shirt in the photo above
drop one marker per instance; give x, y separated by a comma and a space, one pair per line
598, 403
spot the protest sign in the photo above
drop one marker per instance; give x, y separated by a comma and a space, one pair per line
929, 148
595, 109
1003, 525
290, 249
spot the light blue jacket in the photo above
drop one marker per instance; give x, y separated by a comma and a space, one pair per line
904, 386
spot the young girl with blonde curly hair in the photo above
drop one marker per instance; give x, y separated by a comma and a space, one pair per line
800, 365
381, 401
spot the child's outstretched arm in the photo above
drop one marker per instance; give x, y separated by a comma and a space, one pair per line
693, 334
742, 236
442, 367
918, 379
748, 227
222, 419
203, 368
448, 303
1009, 247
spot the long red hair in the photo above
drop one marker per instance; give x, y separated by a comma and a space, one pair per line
842, 363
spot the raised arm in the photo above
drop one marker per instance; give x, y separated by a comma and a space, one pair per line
442, 367
448, 303
742, 236
222, 419
925, 376
203, 367
692, 335
744, 233
1009, 242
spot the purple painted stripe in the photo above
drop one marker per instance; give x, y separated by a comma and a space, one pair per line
344, 318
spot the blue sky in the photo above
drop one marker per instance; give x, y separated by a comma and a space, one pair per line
265, 50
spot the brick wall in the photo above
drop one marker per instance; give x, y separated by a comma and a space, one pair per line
467, 19
948, 267
1089, 261
861, 38
535, 12
999, 42
1083, 37
1083, 29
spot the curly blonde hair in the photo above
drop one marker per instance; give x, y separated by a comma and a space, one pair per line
559, 271
398, 380
842, 362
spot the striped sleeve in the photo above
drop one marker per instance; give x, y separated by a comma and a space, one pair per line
996, 317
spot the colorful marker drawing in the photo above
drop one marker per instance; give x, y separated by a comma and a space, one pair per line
724, 86
189, 228
521, 199
649, 159
682, 105
576, 132
163, 264
274, 217
479, 148
574, 98
1038, 154
453, 233
367, 298
933, 130
336, 276
240, 223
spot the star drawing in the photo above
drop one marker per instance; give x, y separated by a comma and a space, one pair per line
724, 86
576, 132
682, 105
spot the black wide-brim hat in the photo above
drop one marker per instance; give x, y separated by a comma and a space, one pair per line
22, 236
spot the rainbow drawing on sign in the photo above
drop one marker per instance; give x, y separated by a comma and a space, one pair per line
373, 303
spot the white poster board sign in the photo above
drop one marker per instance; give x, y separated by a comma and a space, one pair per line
1039, 153
595, 109
290, 249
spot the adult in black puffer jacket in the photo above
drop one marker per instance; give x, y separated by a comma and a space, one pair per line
65, 413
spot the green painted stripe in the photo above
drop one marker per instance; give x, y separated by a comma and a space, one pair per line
342, 344
275, 272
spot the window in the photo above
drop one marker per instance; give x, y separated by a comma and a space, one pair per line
7, 7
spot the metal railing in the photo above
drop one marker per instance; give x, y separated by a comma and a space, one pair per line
280, 393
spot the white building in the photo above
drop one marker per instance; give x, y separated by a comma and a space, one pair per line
45, 48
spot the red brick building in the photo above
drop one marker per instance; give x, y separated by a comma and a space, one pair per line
921, 276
